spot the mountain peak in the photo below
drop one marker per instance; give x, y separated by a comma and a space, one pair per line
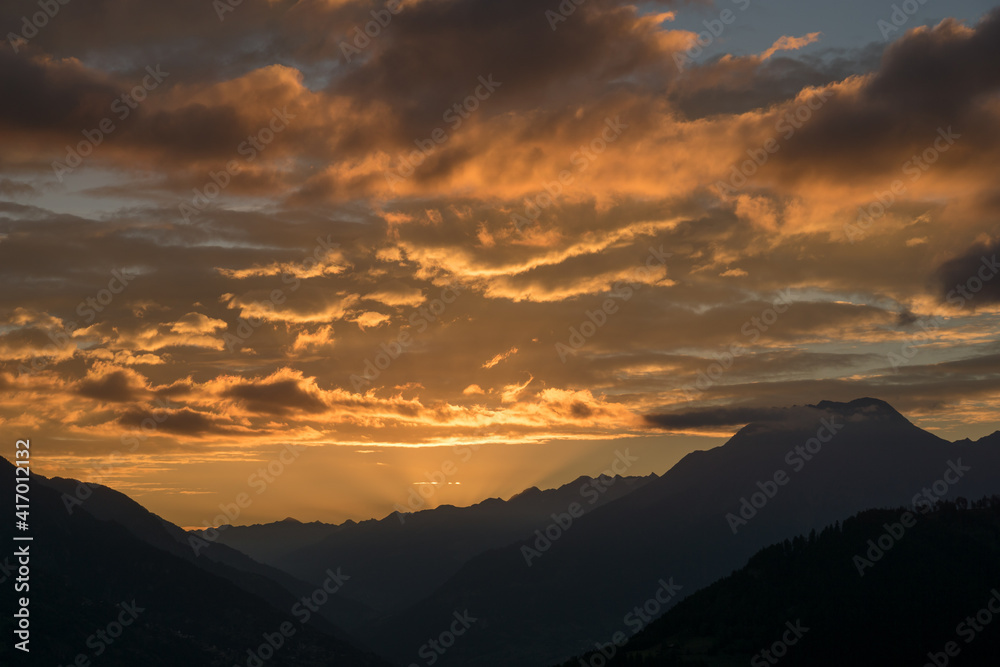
866, 408
874, 413
530, 492
866, 403
992, 439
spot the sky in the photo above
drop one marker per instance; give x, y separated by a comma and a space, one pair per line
342, 258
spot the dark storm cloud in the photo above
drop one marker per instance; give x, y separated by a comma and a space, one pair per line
972, 278
713, 417
116, 387
277, 397
126, 36
16, 189
953, 391
435, 52
61, 100
931, 78
738, 85
25, 343
51, 96
184, 421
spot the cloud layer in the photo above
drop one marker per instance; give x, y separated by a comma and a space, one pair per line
483, 223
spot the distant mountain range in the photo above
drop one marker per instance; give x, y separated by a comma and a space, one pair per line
398, 560
540, 577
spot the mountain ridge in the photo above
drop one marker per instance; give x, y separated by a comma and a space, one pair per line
871, 457
812, 582
517, 564
437, 541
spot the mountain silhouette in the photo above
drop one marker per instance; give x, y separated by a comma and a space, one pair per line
833, 459
271, 542
85, 573
274, 585
540, 577
401, 558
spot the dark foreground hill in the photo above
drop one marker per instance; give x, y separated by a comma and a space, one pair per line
274, 585
99, 591
833, 599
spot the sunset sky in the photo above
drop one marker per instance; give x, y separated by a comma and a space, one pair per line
551, 234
